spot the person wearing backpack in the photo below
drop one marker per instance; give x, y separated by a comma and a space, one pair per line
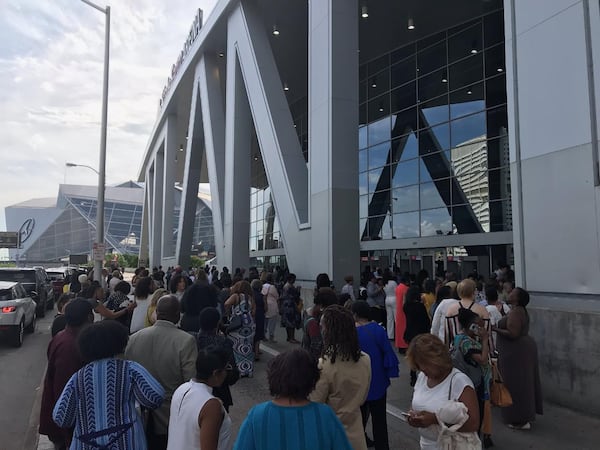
471, 354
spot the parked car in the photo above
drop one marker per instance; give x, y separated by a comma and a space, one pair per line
17, 312
57, 279
36, 284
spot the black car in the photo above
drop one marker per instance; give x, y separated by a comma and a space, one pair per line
36, 283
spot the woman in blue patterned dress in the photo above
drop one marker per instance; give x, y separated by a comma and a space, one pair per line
241, 304
99, 399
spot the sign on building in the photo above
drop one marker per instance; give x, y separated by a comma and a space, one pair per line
9, 239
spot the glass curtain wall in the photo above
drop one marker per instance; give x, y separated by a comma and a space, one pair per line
433, 143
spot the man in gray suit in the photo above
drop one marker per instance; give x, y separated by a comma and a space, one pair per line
169, 354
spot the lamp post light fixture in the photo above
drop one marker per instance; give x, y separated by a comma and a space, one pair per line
70, 164
99, 244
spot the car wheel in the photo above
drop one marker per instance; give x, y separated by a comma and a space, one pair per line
17, 334
31, 327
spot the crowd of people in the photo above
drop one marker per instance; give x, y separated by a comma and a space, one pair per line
149, 364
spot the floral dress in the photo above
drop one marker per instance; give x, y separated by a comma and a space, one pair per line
243, 338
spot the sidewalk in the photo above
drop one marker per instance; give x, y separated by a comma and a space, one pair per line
558, 428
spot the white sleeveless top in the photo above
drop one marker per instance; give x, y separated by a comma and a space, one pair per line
186, 404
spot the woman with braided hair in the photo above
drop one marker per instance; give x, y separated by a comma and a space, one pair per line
345, 372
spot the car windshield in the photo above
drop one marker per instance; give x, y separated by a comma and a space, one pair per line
25, 277
56, 276
5, 294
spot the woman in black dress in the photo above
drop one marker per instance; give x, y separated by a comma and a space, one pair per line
417, 320
259, 316
210, 335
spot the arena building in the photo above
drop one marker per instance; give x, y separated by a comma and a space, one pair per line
423, 134
52, 229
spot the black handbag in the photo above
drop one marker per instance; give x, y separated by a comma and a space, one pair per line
235, 323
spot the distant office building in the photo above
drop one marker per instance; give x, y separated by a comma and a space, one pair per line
53, 228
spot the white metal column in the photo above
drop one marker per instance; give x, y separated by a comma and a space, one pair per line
333, 137
213, 120
238, 134
171, 147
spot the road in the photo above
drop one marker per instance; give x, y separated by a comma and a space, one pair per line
21, 371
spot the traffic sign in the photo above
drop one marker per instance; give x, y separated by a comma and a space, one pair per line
99, 250
9, 239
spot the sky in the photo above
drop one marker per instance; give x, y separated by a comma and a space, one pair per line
51, 69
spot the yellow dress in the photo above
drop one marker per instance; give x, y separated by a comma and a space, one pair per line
428, 300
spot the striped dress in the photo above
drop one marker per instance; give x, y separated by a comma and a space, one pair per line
99, 401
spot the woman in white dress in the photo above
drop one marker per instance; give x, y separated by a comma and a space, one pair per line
389, 287
444, 404
141, 297
198, 419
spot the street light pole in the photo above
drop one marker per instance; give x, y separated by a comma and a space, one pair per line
102, 165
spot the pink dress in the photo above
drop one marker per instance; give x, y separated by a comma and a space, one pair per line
400, 317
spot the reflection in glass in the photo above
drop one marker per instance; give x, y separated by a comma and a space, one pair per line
364, 206
379, 131
494, 61
462, 103
362, 137
430, 197
466, 72
379, 83
495, 91
435, 166
435, 222
386, 228
497, 122
363, 185
378, 107
362, 227
466, 220
465, 42
404, 97
403, 72
500, 216
432, 58
404, 122
374, 176
434, 139
405, 199
406, 225
405, 147
431, 86
468, 128
378, 155
406, 173
435, 111
499, 184
362, 161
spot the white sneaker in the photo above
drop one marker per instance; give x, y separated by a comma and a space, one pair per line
525, 426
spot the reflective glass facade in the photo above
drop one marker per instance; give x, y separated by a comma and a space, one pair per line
433, 143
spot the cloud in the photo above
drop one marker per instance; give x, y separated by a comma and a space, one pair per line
51, 72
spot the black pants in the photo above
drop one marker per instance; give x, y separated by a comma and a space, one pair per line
376, 409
